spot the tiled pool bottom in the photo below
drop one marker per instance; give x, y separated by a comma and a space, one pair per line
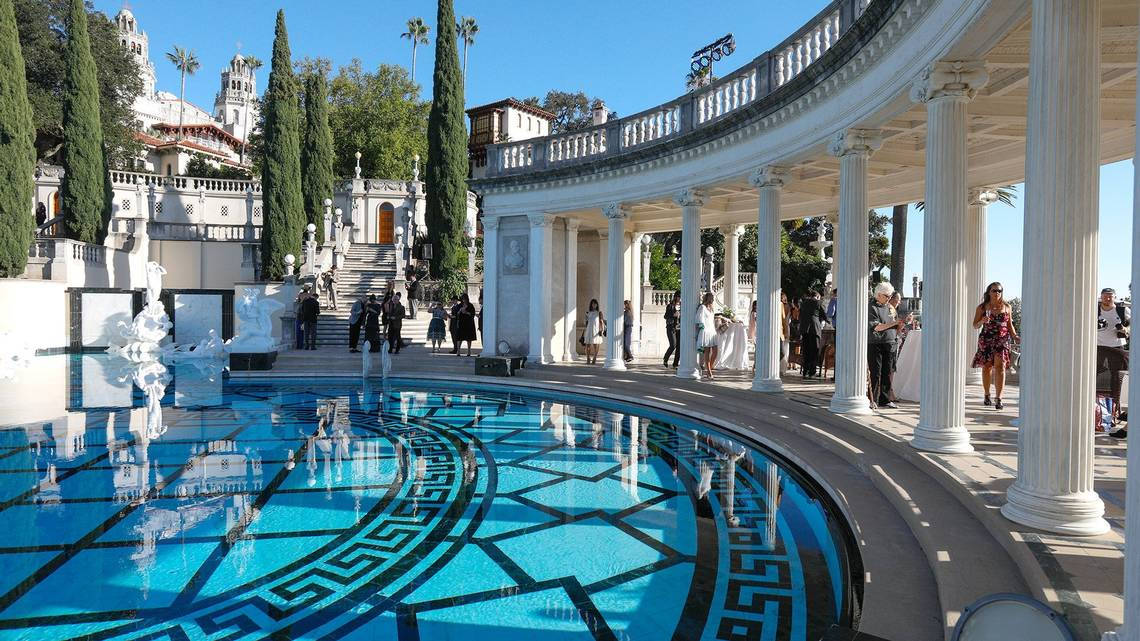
340, 509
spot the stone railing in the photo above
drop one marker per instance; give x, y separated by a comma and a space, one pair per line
127, 178
761, 77
191, 231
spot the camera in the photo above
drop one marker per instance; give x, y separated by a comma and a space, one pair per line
1101, 323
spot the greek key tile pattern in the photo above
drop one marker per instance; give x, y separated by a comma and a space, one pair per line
342, 509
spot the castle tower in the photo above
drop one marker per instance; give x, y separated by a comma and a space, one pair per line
135, 40
234, 105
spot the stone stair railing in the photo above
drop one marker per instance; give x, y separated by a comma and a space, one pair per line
706, 105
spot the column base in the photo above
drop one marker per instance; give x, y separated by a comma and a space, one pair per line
688, 372
615, 364
942, 440
768, 385
857, 405
1077, 514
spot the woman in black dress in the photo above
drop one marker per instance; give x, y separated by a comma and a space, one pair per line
372, 313
464, 323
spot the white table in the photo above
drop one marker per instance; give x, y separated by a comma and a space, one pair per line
732, 346
908, 379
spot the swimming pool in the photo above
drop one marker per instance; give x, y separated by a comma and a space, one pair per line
348, 509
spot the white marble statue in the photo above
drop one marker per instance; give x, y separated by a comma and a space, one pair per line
152, 377
154, 274
255, 333
207, 348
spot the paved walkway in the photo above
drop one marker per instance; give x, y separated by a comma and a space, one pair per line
1083, 577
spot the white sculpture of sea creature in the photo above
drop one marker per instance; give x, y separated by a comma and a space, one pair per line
255, 333
15, 354
211, 347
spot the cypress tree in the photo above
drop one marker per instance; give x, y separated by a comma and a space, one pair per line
446, 176
283, 216
317, 154
17, 150
85, 194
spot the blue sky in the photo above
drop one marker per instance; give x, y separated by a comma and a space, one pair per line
633, 54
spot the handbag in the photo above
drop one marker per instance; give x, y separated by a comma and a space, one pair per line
604, 325
582, 338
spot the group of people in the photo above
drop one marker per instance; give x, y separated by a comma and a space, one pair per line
457, 319
382, 321
597, 329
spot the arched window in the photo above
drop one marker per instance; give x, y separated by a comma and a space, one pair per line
237, 118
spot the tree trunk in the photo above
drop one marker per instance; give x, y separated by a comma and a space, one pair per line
464, 66
898, 246
413, 60
182, 105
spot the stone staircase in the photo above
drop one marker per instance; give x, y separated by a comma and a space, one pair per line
366, 270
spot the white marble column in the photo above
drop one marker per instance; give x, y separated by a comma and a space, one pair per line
834, 220
853, 147
976, 204
768, 181
1054, 487
615, 285
690, 201
490, 284
603, 257
732, 235
541, 329
635, 281
570, 320
946, 87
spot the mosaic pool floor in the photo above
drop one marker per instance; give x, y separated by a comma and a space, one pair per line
345, 509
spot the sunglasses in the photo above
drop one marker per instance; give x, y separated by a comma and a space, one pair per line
995, 291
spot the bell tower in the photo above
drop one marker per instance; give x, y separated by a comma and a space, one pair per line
134, 39
234, 105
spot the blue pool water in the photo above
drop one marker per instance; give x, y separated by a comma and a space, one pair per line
345, 509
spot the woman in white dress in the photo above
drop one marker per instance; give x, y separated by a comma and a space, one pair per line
706, 335
595, 332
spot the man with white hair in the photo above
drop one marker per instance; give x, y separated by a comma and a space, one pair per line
884, 326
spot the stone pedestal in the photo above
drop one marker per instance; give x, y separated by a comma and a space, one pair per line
946, 88
769, 311
1054, 487
541, 329
853, 147
690, 201
490, 284
615, 284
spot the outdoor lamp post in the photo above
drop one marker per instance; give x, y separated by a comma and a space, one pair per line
328, 219
708, 268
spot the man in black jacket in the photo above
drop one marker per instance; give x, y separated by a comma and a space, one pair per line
812, 317
673, 329
395, 324
310, 310
413, 295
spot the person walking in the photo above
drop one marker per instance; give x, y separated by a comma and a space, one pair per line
464, 324
373, 321
355, 321
396, 313
1113, 321
329, 281
706, 335
812, 317
437, 328
310, 310
627, 331
595, 331
414, 290
673, 330
995, 318
881, 340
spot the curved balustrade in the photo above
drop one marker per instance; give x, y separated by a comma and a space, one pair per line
745, 86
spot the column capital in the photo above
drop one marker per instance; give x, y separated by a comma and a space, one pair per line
731, 230
490, 222
616, 210
541, 220
637, 236
603, 233
572, 224
981, 196
689, 197
950, 79
768, 177
850, 142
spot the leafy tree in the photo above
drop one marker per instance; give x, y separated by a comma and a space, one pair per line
283, 209
85, 192
380, 114
877, 242
43, 41
317, 154
572, 111
447, 153
664, 273
200, 167
418, 33
800, 269
466, 29
187, 63
17, 150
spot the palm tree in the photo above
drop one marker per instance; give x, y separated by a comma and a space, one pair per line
466, 28
418, 33
187, 63
254, 63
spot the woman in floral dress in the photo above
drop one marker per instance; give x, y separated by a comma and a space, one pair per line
995, 317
